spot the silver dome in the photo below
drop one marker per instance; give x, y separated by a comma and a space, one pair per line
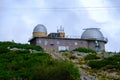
40, 28
92, 33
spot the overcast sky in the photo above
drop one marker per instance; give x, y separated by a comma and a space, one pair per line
19, 17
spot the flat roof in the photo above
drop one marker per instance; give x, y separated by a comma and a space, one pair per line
64, 38
57, 38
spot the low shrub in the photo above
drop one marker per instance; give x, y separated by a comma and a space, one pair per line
21, 51
72, 57
96, 64
4, 50
112, 62
91, 57
59, 70
38, 66
85, 50
20, 46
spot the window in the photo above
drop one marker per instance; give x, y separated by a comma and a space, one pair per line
58, 42
81, 42
38, 41
46, 42
76, 43
52, 44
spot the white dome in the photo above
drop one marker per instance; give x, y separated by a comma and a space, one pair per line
40, 28
92, 33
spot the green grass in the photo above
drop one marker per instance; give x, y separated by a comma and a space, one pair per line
91, 57
21, 64
85, 50
112, 62
19, 45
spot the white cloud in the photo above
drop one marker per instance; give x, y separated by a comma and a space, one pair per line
97, 9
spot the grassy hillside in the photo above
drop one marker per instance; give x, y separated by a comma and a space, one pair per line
112, 62
19, 45
23, 65
104, 68
85, 50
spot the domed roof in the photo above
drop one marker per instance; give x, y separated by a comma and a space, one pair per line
40, 28
92, 33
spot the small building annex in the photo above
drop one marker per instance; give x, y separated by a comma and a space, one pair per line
91, 38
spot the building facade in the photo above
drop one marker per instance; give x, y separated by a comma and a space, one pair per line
57, 44
95, 39
91, 38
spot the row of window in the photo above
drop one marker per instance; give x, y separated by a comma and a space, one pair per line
58, 42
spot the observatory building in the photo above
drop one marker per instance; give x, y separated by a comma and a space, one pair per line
40, 31
94, 38
91, 38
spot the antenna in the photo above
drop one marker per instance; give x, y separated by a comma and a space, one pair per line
57, 30
61, 28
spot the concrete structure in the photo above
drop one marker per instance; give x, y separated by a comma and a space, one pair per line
40, 31
56, 44
95, 39
91, 38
